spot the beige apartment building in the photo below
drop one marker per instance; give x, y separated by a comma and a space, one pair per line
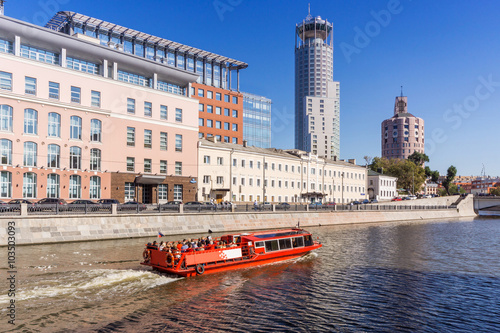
240, 173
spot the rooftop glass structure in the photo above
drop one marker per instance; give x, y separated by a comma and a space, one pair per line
257, 120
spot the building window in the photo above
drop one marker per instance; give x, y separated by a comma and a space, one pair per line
163, 112
30, 121
235, 113
75, 187
210, 123
148, 138
226, 98
29, 185
75, 157
220, 180
178, 192
147, 165
162, 192
235, 127
75, 128
163, 140
53, 185
210, 109
95, 187
163, 166
210, 94
218, 124
95, 130
201, 122
82, 66
6, 81
30, 85
206, 159
130, 164
95, 97
5, 118
131, 105
178, 115
129, 192
131, 136
30, 152
218, 96
53, 156
54, 90
220, 161
226, 112
95, 159
39, 55
201, 93
235, 100
201, 107
6, 151
178, 168
178, 142
76, 94
133, 78
218, 110
206, 179
5, 184
148, 109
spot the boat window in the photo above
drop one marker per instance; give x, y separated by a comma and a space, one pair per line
308, 240
259, 244
272, 245
285, 243
298, 242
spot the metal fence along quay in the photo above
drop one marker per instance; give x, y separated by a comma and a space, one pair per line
116, 209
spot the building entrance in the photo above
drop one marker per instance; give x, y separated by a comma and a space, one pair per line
147, 194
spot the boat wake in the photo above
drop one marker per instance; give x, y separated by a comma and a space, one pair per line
91, 284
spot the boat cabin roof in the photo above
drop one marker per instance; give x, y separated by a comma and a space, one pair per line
272, 234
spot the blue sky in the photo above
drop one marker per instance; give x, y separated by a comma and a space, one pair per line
444, 53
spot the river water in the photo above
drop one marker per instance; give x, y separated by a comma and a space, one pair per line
429, 276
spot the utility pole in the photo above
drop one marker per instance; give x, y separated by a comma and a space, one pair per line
342, 187
264, 180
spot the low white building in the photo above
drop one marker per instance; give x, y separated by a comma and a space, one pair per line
244, 174
381, 187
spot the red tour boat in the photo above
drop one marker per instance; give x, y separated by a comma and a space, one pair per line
232, 252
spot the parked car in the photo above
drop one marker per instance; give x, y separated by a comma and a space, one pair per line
108, 201
283, 205
396, 199
52, 201
412, 197
266, 204
330, 204
175, 202
356, 202
81, 203
132, 205
366, 201
315, 205
21, 201
373, 201
193, 203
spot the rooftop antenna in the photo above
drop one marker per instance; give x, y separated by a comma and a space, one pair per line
401, 91
309, 12
1, 7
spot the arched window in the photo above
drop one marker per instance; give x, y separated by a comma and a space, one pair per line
95, 130
5, 184
6, 118
95, 187
95, 159
29, 185
75, 128
75, 187
30, 121
75, 157
53, 185
54, 125
5, 152
53, 156
30, 152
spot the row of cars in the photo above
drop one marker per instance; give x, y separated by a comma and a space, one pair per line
63, 205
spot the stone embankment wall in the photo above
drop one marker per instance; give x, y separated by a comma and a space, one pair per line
52, 229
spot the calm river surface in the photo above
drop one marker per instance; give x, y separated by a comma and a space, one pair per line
433, 276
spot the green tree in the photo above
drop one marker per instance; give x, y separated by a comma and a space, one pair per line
450, 175
418, 158
453, 190
410, 176
435, 176
495, 191
428, 172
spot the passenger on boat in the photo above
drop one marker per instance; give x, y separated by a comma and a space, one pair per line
162, 246
190, 248
155, 244
184, 246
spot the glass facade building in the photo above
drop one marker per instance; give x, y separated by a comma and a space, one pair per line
257, 120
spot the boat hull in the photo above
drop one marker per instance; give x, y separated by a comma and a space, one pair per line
226, 265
